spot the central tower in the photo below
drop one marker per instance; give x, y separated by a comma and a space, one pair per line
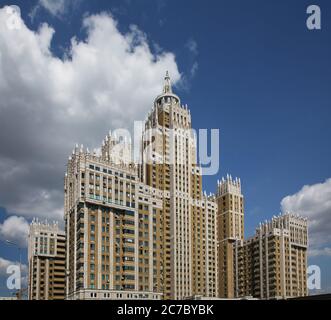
169, 164
168, 148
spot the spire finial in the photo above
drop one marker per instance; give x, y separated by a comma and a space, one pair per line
167, 84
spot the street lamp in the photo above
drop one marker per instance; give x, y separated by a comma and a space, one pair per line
20, 265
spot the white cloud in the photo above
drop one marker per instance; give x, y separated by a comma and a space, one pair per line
4, 264
192, 47
48, 104
15, 229
314, 202
56, 8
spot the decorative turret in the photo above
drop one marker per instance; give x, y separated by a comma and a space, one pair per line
229, 185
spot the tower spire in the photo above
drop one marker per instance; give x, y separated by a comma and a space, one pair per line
167, 84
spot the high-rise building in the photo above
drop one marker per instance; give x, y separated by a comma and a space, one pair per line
189, 218
230, 220
147, 231
273, 263
46, 254
111, 226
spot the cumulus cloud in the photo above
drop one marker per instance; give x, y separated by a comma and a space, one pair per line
15, 229
314, 202
107, 80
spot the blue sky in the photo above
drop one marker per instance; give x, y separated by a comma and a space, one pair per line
251, 69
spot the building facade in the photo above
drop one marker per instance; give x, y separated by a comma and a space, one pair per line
110, 222
273, 263
46, 254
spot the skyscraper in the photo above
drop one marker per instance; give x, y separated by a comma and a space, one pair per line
230, 217
169, 165
273, 263
46, 254
148, 231
141, 231
111, 230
